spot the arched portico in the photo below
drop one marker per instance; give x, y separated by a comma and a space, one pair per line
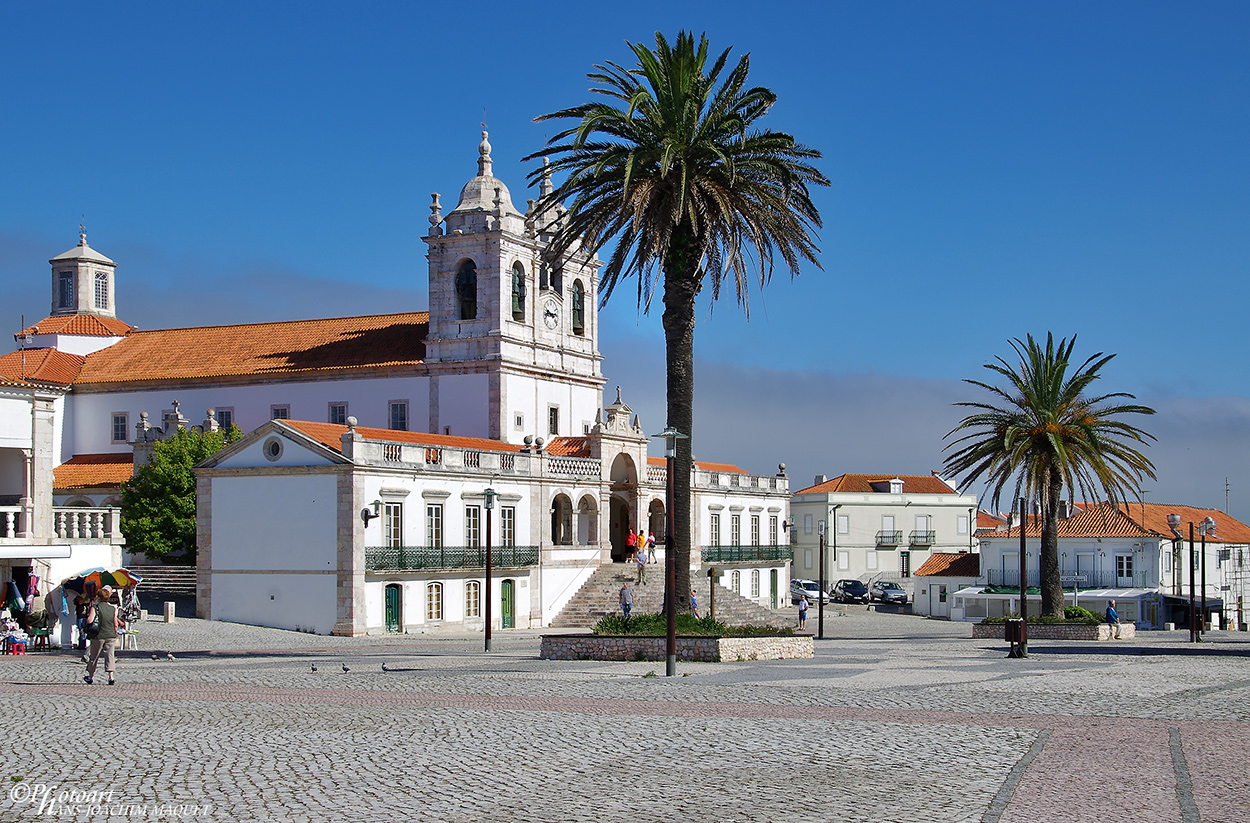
587, 520
562, 520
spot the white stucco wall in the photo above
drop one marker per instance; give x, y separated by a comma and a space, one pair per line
301, 602
249, 533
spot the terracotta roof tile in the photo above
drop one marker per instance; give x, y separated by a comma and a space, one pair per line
86, 471
724, 468
331, 435
869, 483
1137, 520
1154, 516
88, 325
568, 447
42, 366
949, 564
291, 347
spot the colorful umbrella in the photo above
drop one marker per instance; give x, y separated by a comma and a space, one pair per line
118, 579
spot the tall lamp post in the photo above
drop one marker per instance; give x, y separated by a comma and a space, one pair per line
671, 436
1207, 526
1174, 520
490, 495
820, 603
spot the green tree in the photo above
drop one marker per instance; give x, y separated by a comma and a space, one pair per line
670, 163
158, 503
1048, 434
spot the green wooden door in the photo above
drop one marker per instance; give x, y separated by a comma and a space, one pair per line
392, 608
506, 604
772, 589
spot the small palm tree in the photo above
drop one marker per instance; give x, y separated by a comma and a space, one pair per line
1049, 435
670, 164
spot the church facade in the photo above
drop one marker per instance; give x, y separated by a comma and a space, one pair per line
498, 385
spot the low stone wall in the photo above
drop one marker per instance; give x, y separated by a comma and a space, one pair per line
689, 649
1056, 631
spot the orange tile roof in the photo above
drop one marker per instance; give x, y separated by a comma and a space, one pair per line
863, 484
950, 564
331, 435
568, 447
282, 348
725, 468
89, 325
42, 365
1154, 516
88, 471
992, 522
657, 461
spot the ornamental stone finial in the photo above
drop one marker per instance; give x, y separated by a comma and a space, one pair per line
436, 216
483, 161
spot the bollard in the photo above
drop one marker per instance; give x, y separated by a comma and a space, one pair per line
169, 611
1169, 627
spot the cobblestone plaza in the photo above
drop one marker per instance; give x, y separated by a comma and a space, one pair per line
896, 719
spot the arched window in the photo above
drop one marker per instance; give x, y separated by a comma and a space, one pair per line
735, 582
518, 292
579, 308
433, 601
472, 599
466, 289
755, 582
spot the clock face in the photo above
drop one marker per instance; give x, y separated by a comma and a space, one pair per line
551, 314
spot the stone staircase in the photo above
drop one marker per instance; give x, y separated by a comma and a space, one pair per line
600, 595
163, 578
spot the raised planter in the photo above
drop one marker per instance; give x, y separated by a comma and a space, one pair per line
1056, 631
694, 649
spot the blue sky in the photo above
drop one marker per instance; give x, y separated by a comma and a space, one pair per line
998, 169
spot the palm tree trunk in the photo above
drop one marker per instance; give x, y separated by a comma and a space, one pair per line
681, 286
1052, 587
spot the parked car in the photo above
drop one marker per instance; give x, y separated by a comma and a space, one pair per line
850, 591
809, 588
886, 591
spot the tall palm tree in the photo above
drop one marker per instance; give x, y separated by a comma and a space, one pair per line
670, 164
1049, 435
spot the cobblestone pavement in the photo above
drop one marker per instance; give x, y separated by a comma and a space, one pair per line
898, 719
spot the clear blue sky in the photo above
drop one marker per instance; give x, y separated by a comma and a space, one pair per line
997, 169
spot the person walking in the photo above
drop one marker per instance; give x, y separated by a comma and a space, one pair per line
104, 643
627, 599
803, 612
651, 545
641, 560
694, 605
1113, 618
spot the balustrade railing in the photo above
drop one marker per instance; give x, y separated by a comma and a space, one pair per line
923, 538
12, 521
86, 523
889, 538
414, 558
745, 554
574, 466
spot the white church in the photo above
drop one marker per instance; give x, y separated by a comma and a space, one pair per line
356, 502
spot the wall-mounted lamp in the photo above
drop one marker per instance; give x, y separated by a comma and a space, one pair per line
371, 512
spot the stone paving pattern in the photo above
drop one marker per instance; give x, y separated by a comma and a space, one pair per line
897, 719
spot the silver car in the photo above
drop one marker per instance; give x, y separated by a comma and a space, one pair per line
885, 591
806, 588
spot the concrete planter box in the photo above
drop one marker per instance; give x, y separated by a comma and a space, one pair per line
1056, 631
689, 649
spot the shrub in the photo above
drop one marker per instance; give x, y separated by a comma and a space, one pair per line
1048, 619
656, 625
1078, 613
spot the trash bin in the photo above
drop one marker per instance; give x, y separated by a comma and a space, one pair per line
1014, 630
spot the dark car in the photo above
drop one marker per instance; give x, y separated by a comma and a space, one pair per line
850, 591
887, 591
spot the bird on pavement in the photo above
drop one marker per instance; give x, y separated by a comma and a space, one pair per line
384, 666
170, 656
314, 667
154, 657
345, 669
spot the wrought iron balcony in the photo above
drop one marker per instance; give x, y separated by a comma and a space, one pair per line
745, 554
889, 538
923, 538
414, 558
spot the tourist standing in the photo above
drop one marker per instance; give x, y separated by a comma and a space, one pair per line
641, 560
106, 641
1113, 618
803, 612
627, 599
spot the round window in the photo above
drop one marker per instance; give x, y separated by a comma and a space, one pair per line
273, 448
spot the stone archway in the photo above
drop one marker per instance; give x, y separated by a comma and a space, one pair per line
619, 526
588, 521
656, 521
562, 520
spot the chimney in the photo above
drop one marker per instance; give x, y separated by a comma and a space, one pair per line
820, 478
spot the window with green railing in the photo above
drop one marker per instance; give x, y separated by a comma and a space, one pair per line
412, 558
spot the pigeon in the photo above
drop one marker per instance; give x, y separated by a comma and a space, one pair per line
170, 656
314, 667
384, 666
154, 657
345, 669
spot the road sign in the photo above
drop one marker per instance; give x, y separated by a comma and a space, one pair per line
1073, 578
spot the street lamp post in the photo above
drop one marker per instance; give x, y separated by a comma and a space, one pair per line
671, 436
490, 495
832, 530
1207, 526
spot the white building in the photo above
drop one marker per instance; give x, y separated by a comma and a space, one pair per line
1127, 554
885, 526
504, 365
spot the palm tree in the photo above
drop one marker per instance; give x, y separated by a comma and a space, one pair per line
671, 164
1049, 435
